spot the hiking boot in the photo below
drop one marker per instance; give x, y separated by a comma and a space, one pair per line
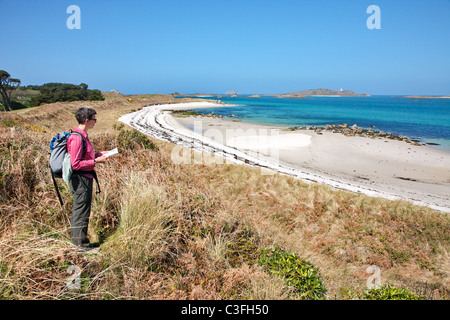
90, 245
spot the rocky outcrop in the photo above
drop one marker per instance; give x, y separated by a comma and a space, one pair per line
354, 130
194, 113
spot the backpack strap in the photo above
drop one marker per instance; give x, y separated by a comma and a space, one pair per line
57, 189
96, 180
82, 138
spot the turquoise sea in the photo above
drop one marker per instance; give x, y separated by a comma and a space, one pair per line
427, 120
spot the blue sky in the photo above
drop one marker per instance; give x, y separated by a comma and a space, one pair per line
216, 45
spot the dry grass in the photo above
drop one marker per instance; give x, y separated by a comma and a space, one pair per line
194, 231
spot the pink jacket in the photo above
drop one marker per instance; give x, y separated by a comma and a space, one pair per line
75, 148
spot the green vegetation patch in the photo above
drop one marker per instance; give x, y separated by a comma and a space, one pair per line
131, 139
390, 292
299, 274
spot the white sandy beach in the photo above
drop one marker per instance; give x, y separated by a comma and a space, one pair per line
377, 167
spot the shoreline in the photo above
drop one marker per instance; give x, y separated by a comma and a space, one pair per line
375, 167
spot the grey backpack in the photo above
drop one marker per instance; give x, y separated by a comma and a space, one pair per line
58, 151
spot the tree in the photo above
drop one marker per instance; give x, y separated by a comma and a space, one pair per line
54, 92
7, 86
95, 95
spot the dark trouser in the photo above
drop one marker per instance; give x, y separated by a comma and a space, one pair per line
81, 188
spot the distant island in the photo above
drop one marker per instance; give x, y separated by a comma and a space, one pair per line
298, 95
321, 93
195, 95
427, 97
230, 93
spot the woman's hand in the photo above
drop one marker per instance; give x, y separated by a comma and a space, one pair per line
101, 159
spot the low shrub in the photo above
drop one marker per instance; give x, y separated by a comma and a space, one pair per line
298, 273
131, 139
390, 292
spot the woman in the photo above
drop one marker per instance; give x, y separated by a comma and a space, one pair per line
83, 159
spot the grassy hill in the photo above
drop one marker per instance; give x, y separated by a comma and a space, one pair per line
172, 231
23, 96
